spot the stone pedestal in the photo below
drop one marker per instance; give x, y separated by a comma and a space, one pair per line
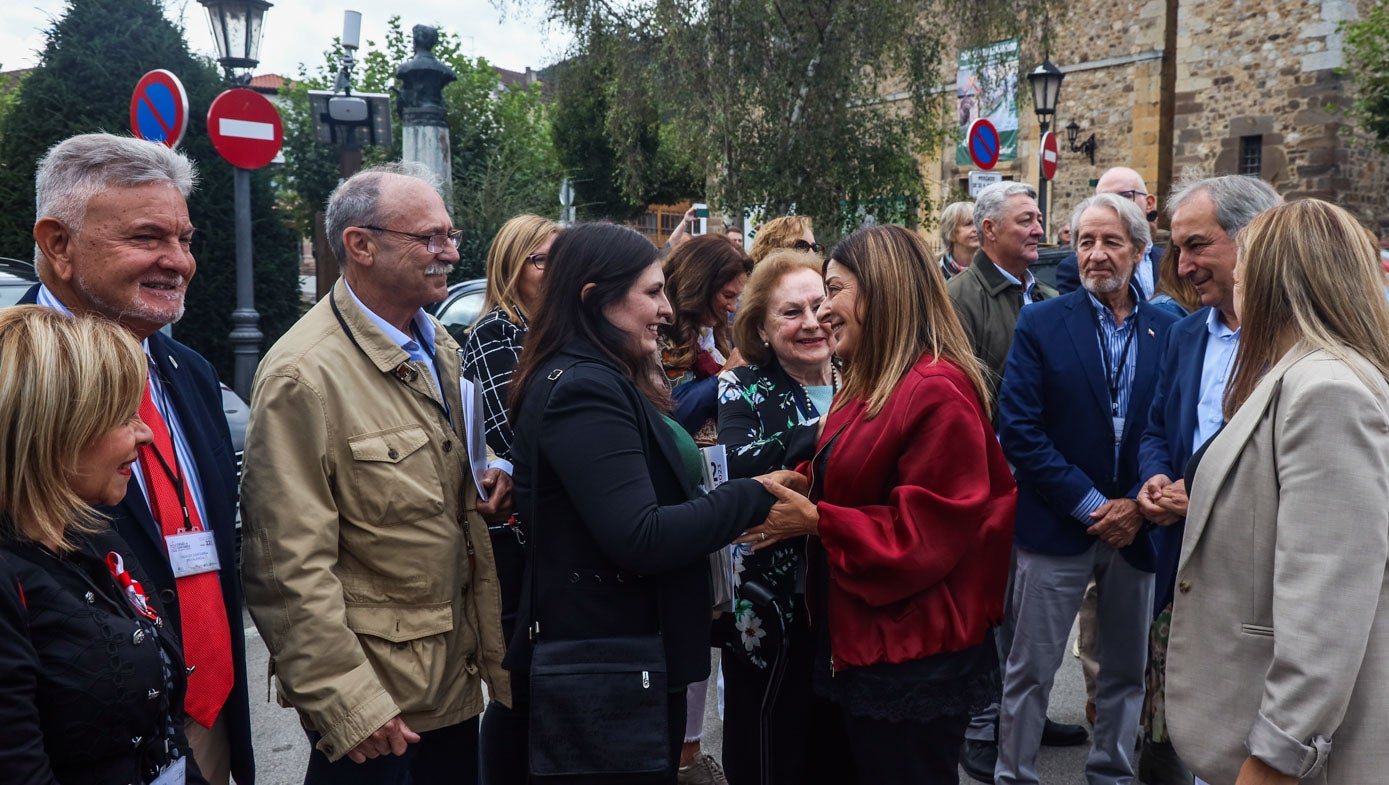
424, 121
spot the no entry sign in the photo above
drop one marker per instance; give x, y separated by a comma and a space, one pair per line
1050, 154
983, 142
245, 128
159, 108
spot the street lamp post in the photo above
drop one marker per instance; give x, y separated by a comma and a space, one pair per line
1046, 88
236, 28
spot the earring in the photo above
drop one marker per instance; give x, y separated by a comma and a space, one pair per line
766, 343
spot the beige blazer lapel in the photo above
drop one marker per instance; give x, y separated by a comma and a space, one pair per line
1220, 457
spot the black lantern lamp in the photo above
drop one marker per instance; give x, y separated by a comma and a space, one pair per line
1087, 146
1046, 89
236, 27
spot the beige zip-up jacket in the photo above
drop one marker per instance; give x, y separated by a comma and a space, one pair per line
367, 568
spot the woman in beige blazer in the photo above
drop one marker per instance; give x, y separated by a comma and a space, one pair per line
1278, 668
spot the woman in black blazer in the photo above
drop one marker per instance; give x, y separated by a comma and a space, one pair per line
621, 530
91, 679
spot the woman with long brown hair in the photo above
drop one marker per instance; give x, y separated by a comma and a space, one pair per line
910, 515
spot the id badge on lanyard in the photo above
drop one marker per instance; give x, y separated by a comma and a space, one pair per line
192, 553
176, 773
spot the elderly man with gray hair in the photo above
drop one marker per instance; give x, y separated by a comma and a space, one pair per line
368, 567
1073, 405
988, 295
1207, 215
112, 238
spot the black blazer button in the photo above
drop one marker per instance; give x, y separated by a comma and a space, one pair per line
166, 596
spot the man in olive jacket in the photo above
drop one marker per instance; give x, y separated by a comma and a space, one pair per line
367, 565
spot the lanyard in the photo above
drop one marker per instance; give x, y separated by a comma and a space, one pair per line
1112, 374
175, 472
404, 370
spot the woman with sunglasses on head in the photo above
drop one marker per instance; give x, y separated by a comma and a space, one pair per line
607, 482
910, 516
788, 231
91, 680
515, 269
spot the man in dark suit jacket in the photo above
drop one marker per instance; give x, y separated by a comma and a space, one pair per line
1074, 400
112, 240
1129, 184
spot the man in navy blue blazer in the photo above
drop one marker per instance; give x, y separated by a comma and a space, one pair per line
1074, 401
111, 239
1188, 401
1129, 184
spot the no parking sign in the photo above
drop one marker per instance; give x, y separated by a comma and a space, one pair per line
159, 108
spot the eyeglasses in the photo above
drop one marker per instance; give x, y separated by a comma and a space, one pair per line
538, 260
802, 245
434, 243
1130, 195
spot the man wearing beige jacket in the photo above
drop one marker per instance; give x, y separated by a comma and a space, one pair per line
367, 565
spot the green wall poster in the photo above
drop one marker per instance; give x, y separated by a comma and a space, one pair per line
986, 85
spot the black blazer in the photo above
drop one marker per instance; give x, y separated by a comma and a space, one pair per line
80, 675
192, 387
619, 546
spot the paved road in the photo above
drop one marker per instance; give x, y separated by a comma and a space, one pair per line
282, 750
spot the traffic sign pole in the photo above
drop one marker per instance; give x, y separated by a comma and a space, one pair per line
246, 130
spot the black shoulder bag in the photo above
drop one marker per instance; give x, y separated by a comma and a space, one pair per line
598, 706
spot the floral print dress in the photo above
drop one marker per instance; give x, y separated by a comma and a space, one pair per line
767, 421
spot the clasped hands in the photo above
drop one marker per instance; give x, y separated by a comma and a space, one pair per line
793, 515
1163, 501
1116, 522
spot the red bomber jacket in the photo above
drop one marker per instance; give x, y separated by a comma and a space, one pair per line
916, 519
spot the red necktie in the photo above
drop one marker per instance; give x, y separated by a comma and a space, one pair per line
206, 633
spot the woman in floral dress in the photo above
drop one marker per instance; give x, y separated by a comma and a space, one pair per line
767, 415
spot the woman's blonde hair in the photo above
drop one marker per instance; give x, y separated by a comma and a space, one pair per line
64, 383
757, 296
1310, 273
778, 233
905, 313
506, 260
955, 215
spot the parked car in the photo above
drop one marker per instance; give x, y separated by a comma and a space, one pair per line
16, 276
461, 307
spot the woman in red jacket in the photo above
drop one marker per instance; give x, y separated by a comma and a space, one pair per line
911, 505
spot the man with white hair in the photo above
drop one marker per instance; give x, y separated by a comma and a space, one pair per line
1128, 184
112, 238
1073, 404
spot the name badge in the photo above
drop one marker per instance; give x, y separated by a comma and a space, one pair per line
192, 553
175, 773
1118, 429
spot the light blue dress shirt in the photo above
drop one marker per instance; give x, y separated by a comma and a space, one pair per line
1215, 373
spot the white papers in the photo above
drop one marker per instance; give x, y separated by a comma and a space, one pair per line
474, 430
715, 460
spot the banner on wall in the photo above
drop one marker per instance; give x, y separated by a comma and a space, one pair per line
986, 85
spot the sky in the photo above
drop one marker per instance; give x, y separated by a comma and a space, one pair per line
299, 31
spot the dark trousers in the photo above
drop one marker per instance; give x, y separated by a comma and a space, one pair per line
808, 744
504, 745
907, 753
445, 756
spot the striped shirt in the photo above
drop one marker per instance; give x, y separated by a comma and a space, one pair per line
1111, 338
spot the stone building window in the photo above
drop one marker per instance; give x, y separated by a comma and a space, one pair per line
1251, 155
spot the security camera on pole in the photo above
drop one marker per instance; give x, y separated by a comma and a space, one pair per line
246, 130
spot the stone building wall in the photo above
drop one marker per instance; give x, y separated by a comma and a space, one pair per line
1183, 87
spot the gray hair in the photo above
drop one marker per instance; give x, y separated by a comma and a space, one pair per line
357, 200
80, 167
951, 219
1133, 219
988, 206
1237, 199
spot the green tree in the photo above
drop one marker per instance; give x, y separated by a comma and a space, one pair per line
504, 163
93, 57
1367, 47
825, 108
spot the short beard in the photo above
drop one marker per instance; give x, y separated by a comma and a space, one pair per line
1110, 286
